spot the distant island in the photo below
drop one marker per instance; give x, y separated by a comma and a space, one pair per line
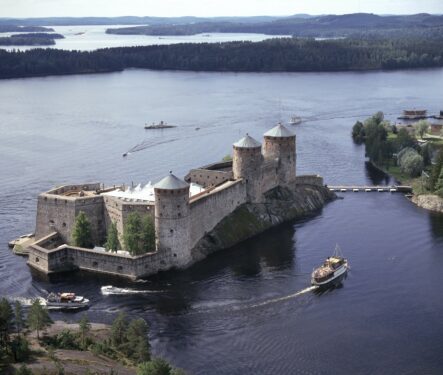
15, 28
30, 39
318, 26
273, 55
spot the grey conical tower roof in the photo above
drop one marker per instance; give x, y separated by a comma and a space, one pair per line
247, 142
171, 182
279, 131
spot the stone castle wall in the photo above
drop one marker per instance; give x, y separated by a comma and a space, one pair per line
207, 178
314, 180
208, 209
58, 213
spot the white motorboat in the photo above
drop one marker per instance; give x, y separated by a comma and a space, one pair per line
331, 272
66, 301
295, 120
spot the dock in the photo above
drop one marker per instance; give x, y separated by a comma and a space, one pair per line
368, 189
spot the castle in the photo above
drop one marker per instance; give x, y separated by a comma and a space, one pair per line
192, 217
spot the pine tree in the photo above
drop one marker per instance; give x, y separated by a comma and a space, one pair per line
6, 327
81, 233
18, 317
112, 243
84, 327
132, 233
137, 340
118, 330
38, 317
148, 234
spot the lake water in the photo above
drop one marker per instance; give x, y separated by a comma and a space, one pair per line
88, 38
245, 310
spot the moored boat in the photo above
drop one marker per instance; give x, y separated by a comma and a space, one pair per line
66, 301
331, 272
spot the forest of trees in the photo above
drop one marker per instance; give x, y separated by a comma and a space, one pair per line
307, 26
388, 147
30, 39
274, 55
126, 341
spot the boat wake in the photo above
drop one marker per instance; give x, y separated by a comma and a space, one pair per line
109, 290
147, 144
26, 301
284, 298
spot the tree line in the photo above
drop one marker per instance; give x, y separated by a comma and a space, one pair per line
273, 55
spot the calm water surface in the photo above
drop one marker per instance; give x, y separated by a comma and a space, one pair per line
88, 38
245, 310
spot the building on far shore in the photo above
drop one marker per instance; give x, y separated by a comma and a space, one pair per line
215, 207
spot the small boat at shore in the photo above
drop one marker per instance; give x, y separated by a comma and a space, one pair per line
331, 272
295, 120
66, 301
160, 125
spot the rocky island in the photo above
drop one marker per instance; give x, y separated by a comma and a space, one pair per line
215, 207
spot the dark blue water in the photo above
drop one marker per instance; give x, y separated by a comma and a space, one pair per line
246, 310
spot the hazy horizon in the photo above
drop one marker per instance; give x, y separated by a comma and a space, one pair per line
204, 8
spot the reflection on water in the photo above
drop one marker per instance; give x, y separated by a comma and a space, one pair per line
436, 223
377, 176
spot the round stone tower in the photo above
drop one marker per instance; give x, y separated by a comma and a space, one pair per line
247, 161
279, 145
172, 220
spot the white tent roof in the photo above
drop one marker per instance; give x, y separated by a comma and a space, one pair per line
146, 193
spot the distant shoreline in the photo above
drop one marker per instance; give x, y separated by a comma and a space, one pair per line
272, 55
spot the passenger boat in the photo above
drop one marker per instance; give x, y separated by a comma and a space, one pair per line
331, 272
295, 120
66, 301
160, 125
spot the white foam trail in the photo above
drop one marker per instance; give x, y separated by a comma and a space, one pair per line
25, 301
284, 298
112, 290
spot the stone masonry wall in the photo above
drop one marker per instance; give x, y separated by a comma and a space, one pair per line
209, 209
314, 180
207, 178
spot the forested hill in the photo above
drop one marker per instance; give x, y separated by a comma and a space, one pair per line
320, 26
274, 55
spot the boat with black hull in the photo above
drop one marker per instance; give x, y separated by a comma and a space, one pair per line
331, 272
66, 301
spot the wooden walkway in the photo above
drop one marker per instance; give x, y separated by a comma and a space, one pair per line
364, 188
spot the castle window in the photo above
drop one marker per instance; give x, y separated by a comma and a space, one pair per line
175, 255
46, 198
119, 268
51, 223
178, 206
37, 260
64, 225
94, 264
179, 214
171, 230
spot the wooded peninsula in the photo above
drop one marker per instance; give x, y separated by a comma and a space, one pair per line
273, 55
